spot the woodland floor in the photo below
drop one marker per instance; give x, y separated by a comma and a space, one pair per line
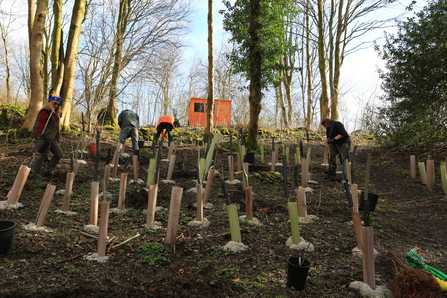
51, 263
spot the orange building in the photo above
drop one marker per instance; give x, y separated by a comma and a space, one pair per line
197, 112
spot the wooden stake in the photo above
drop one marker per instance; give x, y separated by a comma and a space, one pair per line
357, 223
231, 167
83, 141
19, 183
209, 183
75, 168
249, 202
135, 167
123, 187
94, 197
106, 178
304, 173
152, 203
68, 191
174, 214
116, 159
171, 149
171, 166
245, 176
45, 205
368, 257
413, 166
430, 174
199, 202
238, 161
302, 208
103, 226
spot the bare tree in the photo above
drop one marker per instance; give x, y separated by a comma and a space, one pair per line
70, 58
6, 22
210, 98
338, 23
36, 28
166, 68
141, 28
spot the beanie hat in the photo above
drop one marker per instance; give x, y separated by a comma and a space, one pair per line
55, 98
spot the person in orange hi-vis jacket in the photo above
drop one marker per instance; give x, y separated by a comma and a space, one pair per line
165, 126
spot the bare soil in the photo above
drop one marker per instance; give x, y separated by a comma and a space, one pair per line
51, 263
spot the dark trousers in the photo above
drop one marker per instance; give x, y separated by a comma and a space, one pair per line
160, 129
340, 150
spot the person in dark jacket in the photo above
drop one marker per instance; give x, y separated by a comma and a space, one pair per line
129, 123
46, 132
339, 144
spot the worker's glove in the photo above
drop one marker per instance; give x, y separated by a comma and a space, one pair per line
331, 140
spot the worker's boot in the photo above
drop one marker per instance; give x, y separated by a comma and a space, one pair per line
52, 165
37, 168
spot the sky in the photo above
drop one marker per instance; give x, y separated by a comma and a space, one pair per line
359, 73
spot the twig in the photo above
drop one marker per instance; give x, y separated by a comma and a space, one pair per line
87, 234
124, 242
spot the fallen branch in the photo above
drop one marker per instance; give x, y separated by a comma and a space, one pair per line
125, 241
87, 234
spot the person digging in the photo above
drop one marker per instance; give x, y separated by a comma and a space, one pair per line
165, 125
339, 145
46, 133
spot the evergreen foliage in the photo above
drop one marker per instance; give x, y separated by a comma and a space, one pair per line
258, 28
415, 80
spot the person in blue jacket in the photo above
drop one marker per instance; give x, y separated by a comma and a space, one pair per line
339, 144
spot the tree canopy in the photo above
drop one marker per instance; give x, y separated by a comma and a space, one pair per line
258, 31
415, 79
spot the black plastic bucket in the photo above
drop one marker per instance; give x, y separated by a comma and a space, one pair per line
372, 201
141, 144
297, 270
6, 236
249, 157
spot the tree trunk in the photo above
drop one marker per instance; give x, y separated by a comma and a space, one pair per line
335, 88
255, 63
57, 54
309, 72
324, 99
36, 47
7, 67
123, 18
210, 100
280, 95
56, 44
70, 61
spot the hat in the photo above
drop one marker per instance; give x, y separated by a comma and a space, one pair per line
55, 98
